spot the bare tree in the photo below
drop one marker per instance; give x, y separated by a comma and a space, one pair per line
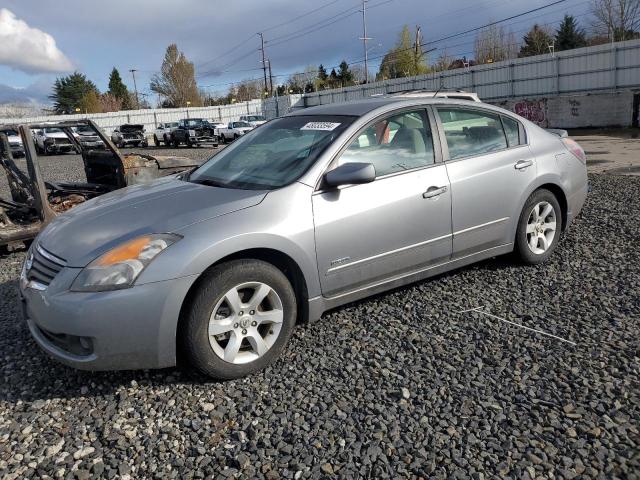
617, 19
494, 44
443, 62
246, 90
176, 81
358, 73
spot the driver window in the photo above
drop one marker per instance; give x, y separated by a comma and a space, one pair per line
396, 143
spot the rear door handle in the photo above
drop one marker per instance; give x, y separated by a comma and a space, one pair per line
521, 164
434, 192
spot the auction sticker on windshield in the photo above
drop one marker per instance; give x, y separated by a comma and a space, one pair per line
326, 126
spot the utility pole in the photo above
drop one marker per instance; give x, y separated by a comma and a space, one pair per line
135, 87
264, 63
364, 39
417, 44
270, 79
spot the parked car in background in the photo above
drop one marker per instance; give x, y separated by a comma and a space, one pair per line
313, 210
234, 130
194, 132
15, 142
52, 140
255, 120
162, 134
129, 135
87, 137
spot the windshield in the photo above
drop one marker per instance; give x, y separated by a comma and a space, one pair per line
52, 130
84, 129
274, 155
10, 133
241, 124
194, 122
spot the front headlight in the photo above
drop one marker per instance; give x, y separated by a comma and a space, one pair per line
192, 133
120, 267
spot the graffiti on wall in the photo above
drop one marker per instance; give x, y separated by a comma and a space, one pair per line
533, 110
574, 105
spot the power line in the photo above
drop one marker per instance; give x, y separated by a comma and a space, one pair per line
448, 37
300, 16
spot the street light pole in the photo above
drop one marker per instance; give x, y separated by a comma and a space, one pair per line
135, 87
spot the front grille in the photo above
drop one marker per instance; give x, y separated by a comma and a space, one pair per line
61, 141
89, 139
44, 266
130, 136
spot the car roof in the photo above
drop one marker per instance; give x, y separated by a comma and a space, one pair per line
362, 107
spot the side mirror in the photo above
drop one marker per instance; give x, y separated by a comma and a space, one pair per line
350, 174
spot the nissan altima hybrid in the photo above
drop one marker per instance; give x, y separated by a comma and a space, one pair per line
324, 206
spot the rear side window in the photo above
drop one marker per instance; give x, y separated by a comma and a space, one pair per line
471, 132
512, 129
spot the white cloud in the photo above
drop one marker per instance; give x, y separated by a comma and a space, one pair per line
29, 49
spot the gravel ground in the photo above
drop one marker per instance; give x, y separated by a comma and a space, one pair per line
398, 385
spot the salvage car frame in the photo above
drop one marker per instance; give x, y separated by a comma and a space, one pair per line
35, 202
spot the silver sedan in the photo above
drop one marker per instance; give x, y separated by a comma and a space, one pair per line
308, 212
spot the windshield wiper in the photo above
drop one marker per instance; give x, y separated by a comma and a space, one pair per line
210, 183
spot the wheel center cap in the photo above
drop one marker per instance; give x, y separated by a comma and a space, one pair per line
245, 321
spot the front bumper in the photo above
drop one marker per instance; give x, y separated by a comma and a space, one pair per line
204, 140
134, 328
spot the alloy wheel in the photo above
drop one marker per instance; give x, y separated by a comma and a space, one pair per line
246, 322
541, 227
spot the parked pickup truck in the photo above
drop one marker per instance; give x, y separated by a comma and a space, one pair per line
234, 130
194, 131
255, 120
52, 140
163, 133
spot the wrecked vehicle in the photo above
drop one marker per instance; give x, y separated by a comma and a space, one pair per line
194, 132
15, 142
51, 140
35, 202
87, 137
129, 135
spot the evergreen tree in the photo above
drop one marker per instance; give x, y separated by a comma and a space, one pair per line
333, 81
68, 92
569, 35
322, 73
344, 74
118, 89
536, 42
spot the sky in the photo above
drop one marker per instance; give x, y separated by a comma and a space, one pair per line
44, 39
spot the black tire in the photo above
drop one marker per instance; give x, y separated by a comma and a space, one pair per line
521, 242
223, 139
236, 136
187, 141
222, 278
167, 140
176, 143
156, 141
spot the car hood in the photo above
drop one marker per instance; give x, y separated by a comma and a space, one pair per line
14, 139
164, 206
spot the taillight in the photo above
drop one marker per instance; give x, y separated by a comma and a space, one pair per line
574, 148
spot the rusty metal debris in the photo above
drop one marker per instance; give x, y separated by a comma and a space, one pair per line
35, 202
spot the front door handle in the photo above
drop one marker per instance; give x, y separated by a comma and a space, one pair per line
521, 164
434, 192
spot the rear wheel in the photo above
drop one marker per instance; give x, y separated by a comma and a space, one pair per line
240, 320
539, 227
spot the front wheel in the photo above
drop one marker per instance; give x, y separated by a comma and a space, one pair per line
539, 227
156, 142
240, 319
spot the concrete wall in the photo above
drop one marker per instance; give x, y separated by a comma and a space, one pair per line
575, 111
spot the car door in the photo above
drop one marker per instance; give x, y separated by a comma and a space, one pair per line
397, 224
488, 169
